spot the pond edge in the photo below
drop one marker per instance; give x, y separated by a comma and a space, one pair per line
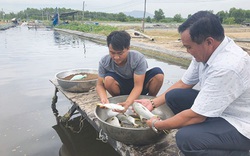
173, 57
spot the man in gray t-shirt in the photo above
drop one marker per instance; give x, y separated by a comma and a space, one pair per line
124, 72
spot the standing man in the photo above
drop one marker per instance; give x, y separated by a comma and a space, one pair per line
124, 72
215, 120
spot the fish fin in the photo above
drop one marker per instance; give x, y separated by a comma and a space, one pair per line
136, 125
143, 119
137, 119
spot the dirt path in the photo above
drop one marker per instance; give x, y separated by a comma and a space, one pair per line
169, 38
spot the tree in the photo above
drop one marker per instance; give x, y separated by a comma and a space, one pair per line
238, 14
229, 20
223, 15
159, 15
121, 17
148, 19
177, 18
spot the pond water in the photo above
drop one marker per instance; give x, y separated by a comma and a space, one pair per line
28, 60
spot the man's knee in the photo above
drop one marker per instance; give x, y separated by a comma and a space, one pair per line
172, 100
171, 95
156, 73
186, 139
111, 85
180, 99
156, 70
159, 78
108, 81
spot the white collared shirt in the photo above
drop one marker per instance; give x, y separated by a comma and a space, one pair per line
224, 85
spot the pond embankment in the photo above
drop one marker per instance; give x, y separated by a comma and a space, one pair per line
174, 57
4, 26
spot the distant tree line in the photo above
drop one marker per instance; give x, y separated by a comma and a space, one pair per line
234, 16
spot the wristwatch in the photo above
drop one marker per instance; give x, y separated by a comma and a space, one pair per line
153, 125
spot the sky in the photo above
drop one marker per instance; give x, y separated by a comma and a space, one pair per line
169, 7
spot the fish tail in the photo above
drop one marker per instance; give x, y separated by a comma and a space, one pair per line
136, 125
99, 104
166, 131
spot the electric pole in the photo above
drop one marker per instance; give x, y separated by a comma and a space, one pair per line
42, 15
143, 20
2, 14
83, 10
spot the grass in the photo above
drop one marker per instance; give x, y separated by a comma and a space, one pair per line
88, 28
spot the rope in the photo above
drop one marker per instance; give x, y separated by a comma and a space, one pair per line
53, 104
103, 137
81, 124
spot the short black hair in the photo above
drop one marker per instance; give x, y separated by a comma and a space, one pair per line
119, 40
202, 25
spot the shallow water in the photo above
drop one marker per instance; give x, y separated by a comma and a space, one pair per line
28, 60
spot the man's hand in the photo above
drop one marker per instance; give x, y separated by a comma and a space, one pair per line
151, 120
104, 100
123, 104
146, 103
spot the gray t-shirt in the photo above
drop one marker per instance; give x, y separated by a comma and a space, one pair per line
136, 64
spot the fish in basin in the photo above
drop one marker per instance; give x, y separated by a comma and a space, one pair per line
78, 77
142, 111
114, 121
127, 119
111, 106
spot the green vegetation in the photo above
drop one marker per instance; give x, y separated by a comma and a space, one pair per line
88, 28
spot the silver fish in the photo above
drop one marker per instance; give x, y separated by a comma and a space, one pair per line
142, 111
111, 106
130, 111
114, 121
111, 113
78, 77
127, 119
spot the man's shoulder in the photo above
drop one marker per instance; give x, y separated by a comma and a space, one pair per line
233, 57
105, 57
135, 52
105, 60
134, 55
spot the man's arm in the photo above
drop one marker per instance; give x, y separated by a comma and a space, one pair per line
101, 91
184, 118
161, 99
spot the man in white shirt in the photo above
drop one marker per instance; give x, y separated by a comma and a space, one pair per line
214, 120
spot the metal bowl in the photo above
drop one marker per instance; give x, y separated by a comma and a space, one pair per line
76, 86
131, 136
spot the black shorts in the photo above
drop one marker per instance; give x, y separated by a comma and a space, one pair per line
126, 85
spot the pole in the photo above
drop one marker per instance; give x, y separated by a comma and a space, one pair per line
42, 16
58, 15
83, 10
2, 14
143, 20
